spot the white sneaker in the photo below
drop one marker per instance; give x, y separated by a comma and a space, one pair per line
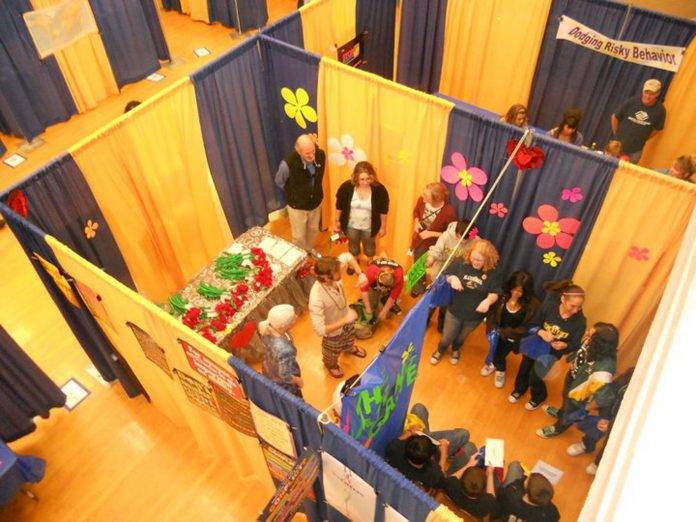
513, 397
499, 379
454, 358
435, 358
576, 449
487, 370
591, 469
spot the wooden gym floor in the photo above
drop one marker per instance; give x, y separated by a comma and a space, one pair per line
118, 459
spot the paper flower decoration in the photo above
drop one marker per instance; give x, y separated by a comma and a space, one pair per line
549, 229
403, 157
498, 209
550, 258
526, 157
473, 233
344, 151
573, 195
91, 229
17, 201
638, 253
296, 106
468, 180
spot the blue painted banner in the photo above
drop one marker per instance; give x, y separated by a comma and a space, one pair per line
373, 413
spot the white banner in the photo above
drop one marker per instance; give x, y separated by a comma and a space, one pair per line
665, 57
55, 28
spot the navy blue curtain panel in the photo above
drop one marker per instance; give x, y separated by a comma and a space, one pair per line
3, 149
172, 4
88, 333
569, 75
300, 416
25, 391
421, 44
252, 13
475, 141
59, 201
33, 93
238, 135
294, 69
378, 18
391, 486
287, 29
127, 39
553, 211
153, 23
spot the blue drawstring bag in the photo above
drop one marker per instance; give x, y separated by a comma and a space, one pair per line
534, 346
442, 292
493, 337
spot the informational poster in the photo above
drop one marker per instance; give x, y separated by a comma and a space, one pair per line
234, 411
293, 490
416, 272
224, 378
58, 26
273, 430
553, 474
198, 393
153, 351
392, 515
279, 464
346, 492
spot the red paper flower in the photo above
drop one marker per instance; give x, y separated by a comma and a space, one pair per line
638, 253
499, 209
17, 201
549, 229
526, 157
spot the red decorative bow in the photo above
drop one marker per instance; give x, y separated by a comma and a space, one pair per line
527, 157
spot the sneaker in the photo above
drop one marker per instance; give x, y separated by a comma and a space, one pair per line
396, 309
531, 405
576, 449
435, 358
350, 270
591, 469
551, 411
499, 379
487, 370
547, 432
454, 358
514, 397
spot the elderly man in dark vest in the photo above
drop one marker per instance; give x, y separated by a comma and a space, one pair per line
300, 175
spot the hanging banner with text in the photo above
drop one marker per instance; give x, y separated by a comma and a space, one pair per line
373, 412
56, 27
665, 57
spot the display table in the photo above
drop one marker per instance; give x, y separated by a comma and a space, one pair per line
290, 285
15, 471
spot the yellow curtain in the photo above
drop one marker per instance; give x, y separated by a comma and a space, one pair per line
491, 50
85, 67
678, 137
327, 24
197, 9
631, 251
120, 306
401, 131
149, 173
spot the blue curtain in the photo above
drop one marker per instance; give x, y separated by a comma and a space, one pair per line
33, 93
156, 33
127, 39
421, 43
287, 66
3, 149
300, 416
287, 29
88, 333
25, 391
172, 4
60, 203
252, 13
378, 18
570, 75
238, 135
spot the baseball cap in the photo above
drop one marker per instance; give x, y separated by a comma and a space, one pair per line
652, 85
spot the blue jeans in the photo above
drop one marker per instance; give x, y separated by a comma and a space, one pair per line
454, 332
355, 237
460, 449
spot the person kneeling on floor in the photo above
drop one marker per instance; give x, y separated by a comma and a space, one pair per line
381, 290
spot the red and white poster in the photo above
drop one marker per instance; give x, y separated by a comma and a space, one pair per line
224, 378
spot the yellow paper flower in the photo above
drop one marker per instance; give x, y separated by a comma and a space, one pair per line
550, 258
91, 229
296, 107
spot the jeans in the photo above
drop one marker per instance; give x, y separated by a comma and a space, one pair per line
460, 449
355, 237
501, 352
514, 472
454, 332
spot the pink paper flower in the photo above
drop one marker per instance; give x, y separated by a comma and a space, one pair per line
473, 233
499, 209
638, 253
467, 180
573, 195
549, 229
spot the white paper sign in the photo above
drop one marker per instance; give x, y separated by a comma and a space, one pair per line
201, 51
347, 492
495, 453
155, 77
392, 515
56, 27
553, 474
273, 430
13, 160
75, 393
